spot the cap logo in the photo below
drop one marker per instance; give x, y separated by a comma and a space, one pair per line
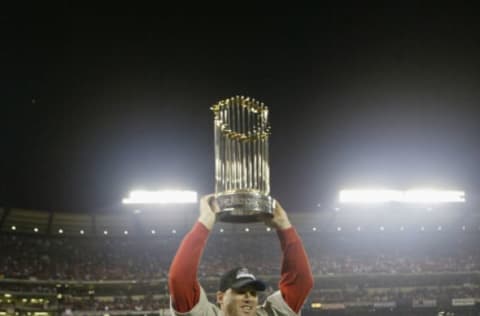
244, 273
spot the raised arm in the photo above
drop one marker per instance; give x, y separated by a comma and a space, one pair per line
182, 278
296, 276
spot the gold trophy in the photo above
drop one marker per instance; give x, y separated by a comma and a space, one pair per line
242, 172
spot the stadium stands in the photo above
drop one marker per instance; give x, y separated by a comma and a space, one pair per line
357, 271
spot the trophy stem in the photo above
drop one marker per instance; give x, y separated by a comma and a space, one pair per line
218, 159
255, 155
244, 152
227, 155
249, 153
231, 112
265, 161
262, 165
238, 162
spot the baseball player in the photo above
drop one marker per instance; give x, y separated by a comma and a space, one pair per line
237, 293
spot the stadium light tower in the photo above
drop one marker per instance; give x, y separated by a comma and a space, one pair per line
414, 196
161, 197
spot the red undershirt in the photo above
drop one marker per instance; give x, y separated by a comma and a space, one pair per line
295, 282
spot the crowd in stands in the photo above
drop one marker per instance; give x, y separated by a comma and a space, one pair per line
445, 293
147, 303
31, 257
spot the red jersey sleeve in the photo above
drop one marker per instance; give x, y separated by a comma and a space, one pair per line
182, 278
296, 276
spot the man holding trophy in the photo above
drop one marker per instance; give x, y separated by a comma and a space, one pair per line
242, 195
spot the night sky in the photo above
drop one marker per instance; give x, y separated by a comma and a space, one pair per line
95, 105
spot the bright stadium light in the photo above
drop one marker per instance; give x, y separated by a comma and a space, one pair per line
368, 196
161, 197
433, 196
418, 196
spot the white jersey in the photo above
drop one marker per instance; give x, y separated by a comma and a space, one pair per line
274, 305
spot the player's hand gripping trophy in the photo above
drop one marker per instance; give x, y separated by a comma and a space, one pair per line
242, 172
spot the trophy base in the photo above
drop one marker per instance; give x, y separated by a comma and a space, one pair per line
244, 207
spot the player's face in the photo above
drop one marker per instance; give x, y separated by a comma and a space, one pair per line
238, 302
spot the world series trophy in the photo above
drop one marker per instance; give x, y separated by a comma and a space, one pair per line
242, 172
